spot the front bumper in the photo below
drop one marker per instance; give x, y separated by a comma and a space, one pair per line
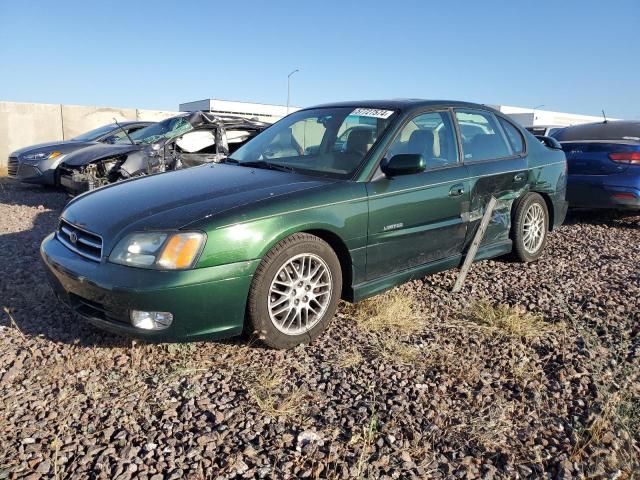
41, 173
205, 302
72, 186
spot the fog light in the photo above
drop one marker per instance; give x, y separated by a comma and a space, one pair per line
151, 320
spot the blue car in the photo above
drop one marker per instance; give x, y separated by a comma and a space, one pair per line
604, 165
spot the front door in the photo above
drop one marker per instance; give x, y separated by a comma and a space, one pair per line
417, 219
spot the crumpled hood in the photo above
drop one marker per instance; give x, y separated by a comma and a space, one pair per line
99, 151
173, 200
61, 146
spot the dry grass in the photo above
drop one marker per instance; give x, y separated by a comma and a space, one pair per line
392, 349
446, 357
364, 441
510, 322
390, 319
275, 396
391, 311
3, 171
349, 358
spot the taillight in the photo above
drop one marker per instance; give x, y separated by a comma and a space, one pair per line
626, 157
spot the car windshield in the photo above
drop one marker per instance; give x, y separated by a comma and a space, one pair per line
92, 135
169, 128
330, 142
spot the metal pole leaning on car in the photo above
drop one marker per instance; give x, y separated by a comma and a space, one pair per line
471, 254
289, 88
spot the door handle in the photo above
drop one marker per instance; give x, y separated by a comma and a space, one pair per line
456, 190
519, 177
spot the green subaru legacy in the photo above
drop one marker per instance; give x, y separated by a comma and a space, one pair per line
339, 201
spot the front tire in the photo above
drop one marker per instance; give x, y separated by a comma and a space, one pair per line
295, 292
530, 228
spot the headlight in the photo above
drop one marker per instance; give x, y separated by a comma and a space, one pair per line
159, 250
36, 157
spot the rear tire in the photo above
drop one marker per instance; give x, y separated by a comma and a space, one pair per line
530, 227
295, 292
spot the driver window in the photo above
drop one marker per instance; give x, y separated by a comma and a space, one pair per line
307, 135
430, 135
300, 139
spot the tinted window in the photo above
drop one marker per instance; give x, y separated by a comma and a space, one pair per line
514, 136
481, 137
430, 135
93, 134
325, 141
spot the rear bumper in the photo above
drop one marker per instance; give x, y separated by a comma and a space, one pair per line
601, 196
560, 208
205, 302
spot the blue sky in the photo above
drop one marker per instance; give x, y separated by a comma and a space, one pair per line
576, 56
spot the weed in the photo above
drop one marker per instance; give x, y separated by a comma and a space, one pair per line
510, 322
274, 396
391, 311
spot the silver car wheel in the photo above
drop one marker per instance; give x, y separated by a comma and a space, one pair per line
299, 294
533, 229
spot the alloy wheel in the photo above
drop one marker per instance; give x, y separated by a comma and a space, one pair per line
299, 294
533, 229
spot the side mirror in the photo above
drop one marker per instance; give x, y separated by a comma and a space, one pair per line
549, 142
403, 164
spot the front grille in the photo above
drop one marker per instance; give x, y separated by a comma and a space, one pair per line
84, 243
13, 167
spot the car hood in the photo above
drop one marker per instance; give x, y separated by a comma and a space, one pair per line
173, 200
62, 146
99, 151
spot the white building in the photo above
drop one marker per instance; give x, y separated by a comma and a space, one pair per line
527, 117
531, 117
260, 111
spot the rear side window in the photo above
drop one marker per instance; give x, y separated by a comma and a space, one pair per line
514, 136
481, 136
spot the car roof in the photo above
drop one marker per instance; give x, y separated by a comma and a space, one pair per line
401, 104
610, 130
134, 122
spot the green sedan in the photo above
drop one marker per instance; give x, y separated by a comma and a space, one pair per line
339, 201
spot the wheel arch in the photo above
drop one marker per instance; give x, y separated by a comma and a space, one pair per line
338, 246
550, 209
334, 240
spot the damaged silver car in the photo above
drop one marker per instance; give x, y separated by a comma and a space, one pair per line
182, 141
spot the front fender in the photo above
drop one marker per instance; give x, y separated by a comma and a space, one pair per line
253, 239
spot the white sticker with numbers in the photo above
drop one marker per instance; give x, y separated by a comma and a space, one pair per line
372, 112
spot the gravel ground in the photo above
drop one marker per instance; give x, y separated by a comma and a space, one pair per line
531, 371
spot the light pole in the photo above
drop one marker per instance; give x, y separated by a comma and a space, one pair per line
534, 111
289, 88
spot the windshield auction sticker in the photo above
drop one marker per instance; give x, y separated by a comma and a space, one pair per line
372, 112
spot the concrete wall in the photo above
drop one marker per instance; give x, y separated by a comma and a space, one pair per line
24, 124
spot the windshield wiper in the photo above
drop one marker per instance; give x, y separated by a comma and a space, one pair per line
261, 164
123, 130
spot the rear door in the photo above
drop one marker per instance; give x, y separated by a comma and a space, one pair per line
417, 219
494, 154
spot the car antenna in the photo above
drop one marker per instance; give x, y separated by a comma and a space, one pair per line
604, 116
123, 130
